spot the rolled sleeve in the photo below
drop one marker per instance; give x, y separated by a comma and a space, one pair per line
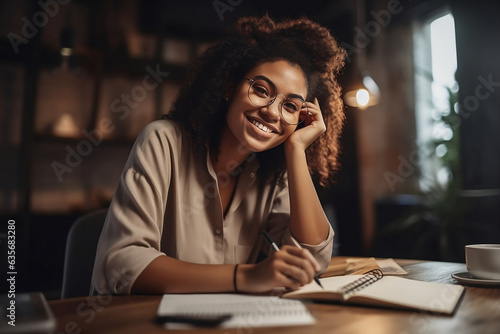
322, 252
131, 236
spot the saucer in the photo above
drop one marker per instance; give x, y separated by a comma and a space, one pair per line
467, 278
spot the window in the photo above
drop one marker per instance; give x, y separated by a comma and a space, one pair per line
435, 97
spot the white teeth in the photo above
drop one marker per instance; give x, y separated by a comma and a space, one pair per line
261, 126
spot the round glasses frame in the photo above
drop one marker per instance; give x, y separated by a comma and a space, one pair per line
273, 99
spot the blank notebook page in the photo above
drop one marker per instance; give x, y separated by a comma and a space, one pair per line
423, 295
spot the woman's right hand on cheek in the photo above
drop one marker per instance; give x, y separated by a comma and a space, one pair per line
291, 267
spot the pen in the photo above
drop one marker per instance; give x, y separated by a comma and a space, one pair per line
276, 248
197, 320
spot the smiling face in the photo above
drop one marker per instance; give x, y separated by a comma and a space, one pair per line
262, 128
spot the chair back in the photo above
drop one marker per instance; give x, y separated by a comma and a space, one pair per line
81, 246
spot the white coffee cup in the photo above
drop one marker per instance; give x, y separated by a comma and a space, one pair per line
483, 260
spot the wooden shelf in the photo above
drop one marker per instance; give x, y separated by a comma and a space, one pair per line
48, 138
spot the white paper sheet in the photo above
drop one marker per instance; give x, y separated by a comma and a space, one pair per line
247, 311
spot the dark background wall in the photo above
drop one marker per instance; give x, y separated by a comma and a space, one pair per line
478, 51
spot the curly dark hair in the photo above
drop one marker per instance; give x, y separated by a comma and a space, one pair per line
201, 106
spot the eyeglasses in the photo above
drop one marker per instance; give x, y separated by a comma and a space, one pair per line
263, 92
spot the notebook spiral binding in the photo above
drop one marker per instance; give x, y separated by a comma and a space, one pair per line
369, 278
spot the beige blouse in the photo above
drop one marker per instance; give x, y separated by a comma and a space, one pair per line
167, 203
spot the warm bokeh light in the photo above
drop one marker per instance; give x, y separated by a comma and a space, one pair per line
363, 93
362, 97
66, 52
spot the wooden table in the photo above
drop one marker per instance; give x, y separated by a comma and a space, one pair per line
479, 312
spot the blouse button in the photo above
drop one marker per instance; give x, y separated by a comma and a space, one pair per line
218, 231
252, 174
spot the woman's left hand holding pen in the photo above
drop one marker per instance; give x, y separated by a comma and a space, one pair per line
290, 267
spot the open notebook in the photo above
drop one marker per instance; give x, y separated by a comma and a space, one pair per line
375, 289
245, 311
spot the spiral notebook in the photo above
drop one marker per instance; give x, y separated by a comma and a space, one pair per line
375, 289
246, 311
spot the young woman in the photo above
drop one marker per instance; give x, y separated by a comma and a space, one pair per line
260, 113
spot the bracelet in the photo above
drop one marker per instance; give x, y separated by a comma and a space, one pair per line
234, 278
